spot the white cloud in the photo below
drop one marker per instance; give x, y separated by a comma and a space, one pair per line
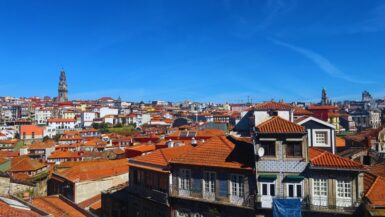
322, 62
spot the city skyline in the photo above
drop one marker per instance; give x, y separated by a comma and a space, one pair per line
219, 52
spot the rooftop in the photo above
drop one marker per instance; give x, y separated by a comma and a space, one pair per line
277, 124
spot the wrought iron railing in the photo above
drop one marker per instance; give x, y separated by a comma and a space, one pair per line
247, 200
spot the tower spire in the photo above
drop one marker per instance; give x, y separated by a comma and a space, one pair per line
62, 90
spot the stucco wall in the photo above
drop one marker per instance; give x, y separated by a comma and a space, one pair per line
87, 189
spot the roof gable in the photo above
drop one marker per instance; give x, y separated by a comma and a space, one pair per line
325, 159
277, 124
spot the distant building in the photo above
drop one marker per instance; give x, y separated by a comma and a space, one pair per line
63, 90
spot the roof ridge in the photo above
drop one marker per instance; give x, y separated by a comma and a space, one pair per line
164, 157
372, 186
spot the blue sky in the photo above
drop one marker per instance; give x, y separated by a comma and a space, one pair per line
204, 50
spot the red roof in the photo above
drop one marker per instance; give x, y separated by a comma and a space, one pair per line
325, 159
162, 157
24, 163
271, 105
8, 211
29, 129
376, 193
58, 207
64, 154
217, 152
93, 170
301, 111
277, 124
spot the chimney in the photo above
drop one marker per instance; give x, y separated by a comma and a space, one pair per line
194, 142
26, 196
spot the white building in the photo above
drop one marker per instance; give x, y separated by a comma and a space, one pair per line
62, 124
42, 115
87, 118
107, 111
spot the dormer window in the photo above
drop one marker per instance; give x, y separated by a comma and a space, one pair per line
273, 113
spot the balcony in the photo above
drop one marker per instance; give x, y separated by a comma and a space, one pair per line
246, 201
316, 204
151, 194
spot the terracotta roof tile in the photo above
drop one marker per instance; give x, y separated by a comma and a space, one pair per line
162, 157
57, 207
8, 211
271, 105
94, 170
301, 111
279, 125
218, 152
24, 163
325, 159
376, 193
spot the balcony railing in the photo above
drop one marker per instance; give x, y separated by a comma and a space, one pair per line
151, 194
321, 205
246, 201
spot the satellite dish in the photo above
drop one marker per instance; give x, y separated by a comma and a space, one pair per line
261, 152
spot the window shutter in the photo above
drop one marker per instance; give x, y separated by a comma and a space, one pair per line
223, 185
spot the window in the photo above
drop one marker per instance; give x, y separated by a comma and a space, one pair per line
321, 138
320, 187
209, 182
294, 149
294, 190
268, 189
33, 135
237, 185
344, 189
269, 148
185, 179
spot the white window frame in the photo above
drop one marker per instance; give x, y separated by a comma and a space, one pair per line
209, 182
322, 189
268, 188
343, 188
295, 186
185, 179
328, 139
238, 185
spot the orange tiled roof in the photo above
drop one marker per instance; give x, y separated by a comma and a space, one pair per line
376, 193
94, 170
271, 105
90, 201
28, 129
64, 154
142, 148
8, 211
217, 152
41, 145
162, 157
24, 163
321, 158
279, 125
340, 142
301, 111
57, 207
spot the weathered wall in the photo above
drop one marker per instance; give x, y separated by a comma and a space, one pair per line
87, 189
4, 185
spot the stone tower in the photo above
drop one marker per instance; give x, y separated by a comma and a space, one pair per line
62, 91
324, 98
